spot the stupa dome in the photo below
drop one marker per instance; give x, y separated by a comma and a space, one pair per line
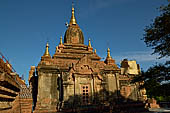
73, 34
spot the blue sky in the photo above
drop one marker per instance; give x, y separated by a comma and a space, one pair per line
26, 25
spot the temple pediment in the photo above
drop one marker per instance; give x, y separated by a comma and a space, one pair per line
84, 69
84, 66
84, 60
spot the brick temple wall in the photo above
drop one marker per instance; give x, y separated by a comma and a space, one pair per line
19, 105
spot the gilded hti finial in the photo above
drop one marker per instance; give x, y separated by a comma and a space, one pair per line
73, 19
89, 43
108, 53
46, 50
61, 42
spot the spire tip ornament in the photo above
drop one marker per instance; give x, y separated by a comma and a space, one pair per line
89, 43
95, 51
108, 53
47, 50
61, 42
73, 19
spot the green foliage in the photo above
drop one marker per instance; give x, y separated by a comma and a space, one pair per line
157, 34
156, 81
163, 98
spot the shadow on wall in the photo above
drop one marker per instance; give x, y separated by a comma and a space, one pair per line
101, 102
34, 84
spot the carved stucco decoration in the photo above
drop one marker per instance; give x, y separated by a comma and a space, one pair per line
84, 67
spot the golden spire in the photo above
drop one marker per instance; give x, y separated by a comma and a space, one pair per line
61, 42
73, 19
95, 51
108, 53
46, 50
89, 43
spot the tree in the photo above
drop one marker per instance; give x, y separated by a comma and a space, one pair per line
157, 34
156, 80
